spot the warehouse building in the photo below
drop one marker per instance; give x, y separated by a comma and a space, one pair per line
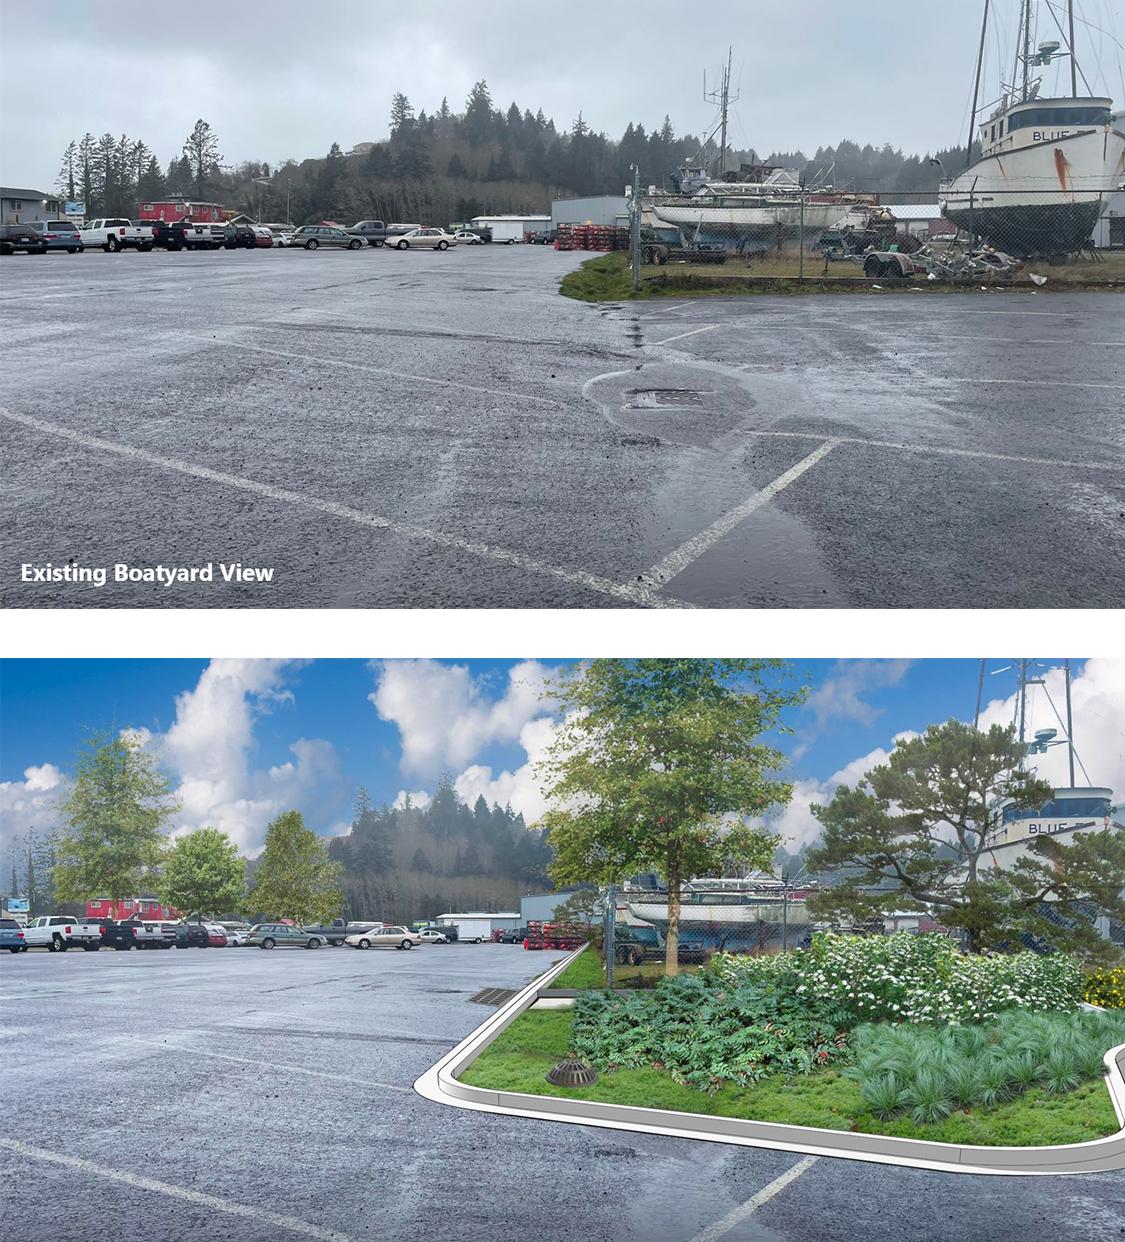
511, 228
600, 209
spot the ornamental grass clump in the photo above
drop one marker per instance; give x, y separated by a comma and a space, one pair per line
706, 1032
926, 1072
909, 978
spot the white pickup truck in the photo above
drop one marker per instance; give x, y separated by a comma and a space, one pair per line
117, 234
57, 933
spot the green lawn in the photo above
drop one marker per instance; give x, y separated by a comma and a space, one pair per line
520, 1058
588, 971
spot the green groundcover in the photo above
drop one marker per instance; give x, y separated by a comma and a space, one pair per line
520, 1058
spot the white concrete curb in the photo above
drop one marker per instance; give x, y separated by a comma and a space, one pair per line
440, 1083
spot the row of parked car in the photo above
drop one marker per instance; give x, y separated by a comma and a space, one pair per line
116, 234
58, 933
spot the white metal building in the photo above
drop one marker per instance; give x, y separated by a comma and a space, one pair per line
478, 925
599, 209
511, 228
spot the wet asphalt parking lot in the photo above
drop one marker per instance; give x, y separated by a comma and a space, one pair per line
255, 1097
445, 430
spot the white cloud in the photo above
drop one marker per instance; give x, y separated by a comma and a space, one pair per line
445, 716
519, 788
418, 797
210, 748
839, 697
30, 803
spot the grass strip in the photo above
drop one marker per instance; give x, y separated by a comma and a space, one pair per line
520, 1058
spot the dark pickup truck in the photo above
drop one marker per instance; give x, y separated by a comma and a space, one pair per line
373, 232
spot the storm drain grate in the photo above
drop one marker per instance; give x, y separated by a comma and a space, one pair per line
663, 398
492, 996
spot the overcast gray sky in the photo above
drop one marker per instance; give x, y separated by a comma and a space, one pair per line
288, 79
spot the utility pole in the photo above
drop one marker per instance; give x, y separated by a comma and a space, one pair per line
1069, 724
635, 239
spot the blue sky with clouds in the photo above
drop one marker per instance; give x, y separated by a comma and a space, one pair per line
243, 740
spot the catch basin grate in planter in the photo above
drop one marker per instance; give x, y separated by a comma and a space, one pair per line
492, 996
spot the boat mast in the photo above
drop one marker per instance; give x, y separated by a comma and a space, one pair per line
1023, 701
1073, 95
1026, 57
1069, 724
976, 87
723, 99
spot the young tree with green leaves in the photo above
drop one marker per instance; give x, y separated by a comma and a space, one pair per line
655, 768
915, 832
204, 873
294, 877
114, 820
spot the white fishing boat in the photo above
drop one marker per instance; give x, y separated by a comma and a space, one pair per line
769, 208
757, 911
1048, 164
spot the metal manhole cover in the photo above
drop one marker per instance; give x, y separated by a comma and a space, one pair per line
492, 996
663, 398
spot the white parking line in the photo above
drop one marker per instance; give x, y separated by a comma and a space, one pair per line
362, 366
189, 1051
710, 327
721, 1227
260, 1215
629, 593
677, 561
942, 452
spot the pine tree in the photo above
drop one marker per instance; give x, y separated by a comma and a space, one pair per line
201, 150
402, 115
478, 122
68, 172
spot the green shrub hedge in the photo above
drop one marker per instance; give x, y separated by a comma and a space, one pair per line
907, 978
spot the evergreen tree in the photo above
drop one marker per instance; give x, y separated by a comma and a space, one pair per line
68, 178
402, 115
456, 168
478, 123
201, 150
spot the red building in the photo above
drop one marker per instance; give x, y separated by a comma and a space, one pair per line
181, 209
130, 907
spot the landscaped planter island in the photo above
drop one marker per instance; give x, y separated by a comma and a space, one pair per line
1005, 1073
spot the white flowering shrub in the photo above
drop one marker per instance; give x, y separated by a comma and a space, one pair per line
908, 978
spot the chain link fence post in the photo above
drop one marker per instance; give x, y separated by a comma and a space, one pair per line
635, 237
609, 933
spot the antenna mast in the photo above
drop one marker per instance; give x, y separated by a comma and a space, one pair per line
1069, 724
722, 98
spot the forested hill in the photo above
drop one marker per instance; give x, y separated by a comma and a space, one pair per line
441, 166
409, 862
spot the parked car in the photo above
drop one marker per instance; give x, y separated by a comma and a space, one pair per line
206, 936
512, 935
335, 931
23, 237
117, 233
58, 933
547, 237
129, 934
270, 935
59, 235
398, 937
431, 935
237, 932
373, 232
263, 238
465, 238
210, 236
434, 239
240, 237
11, 936
312, 236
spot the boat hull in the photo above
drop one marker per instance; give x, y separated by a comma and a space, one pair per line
763, 225
1041, 199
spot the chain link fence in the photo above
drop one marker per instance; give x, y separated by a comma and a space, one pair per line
763, 235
